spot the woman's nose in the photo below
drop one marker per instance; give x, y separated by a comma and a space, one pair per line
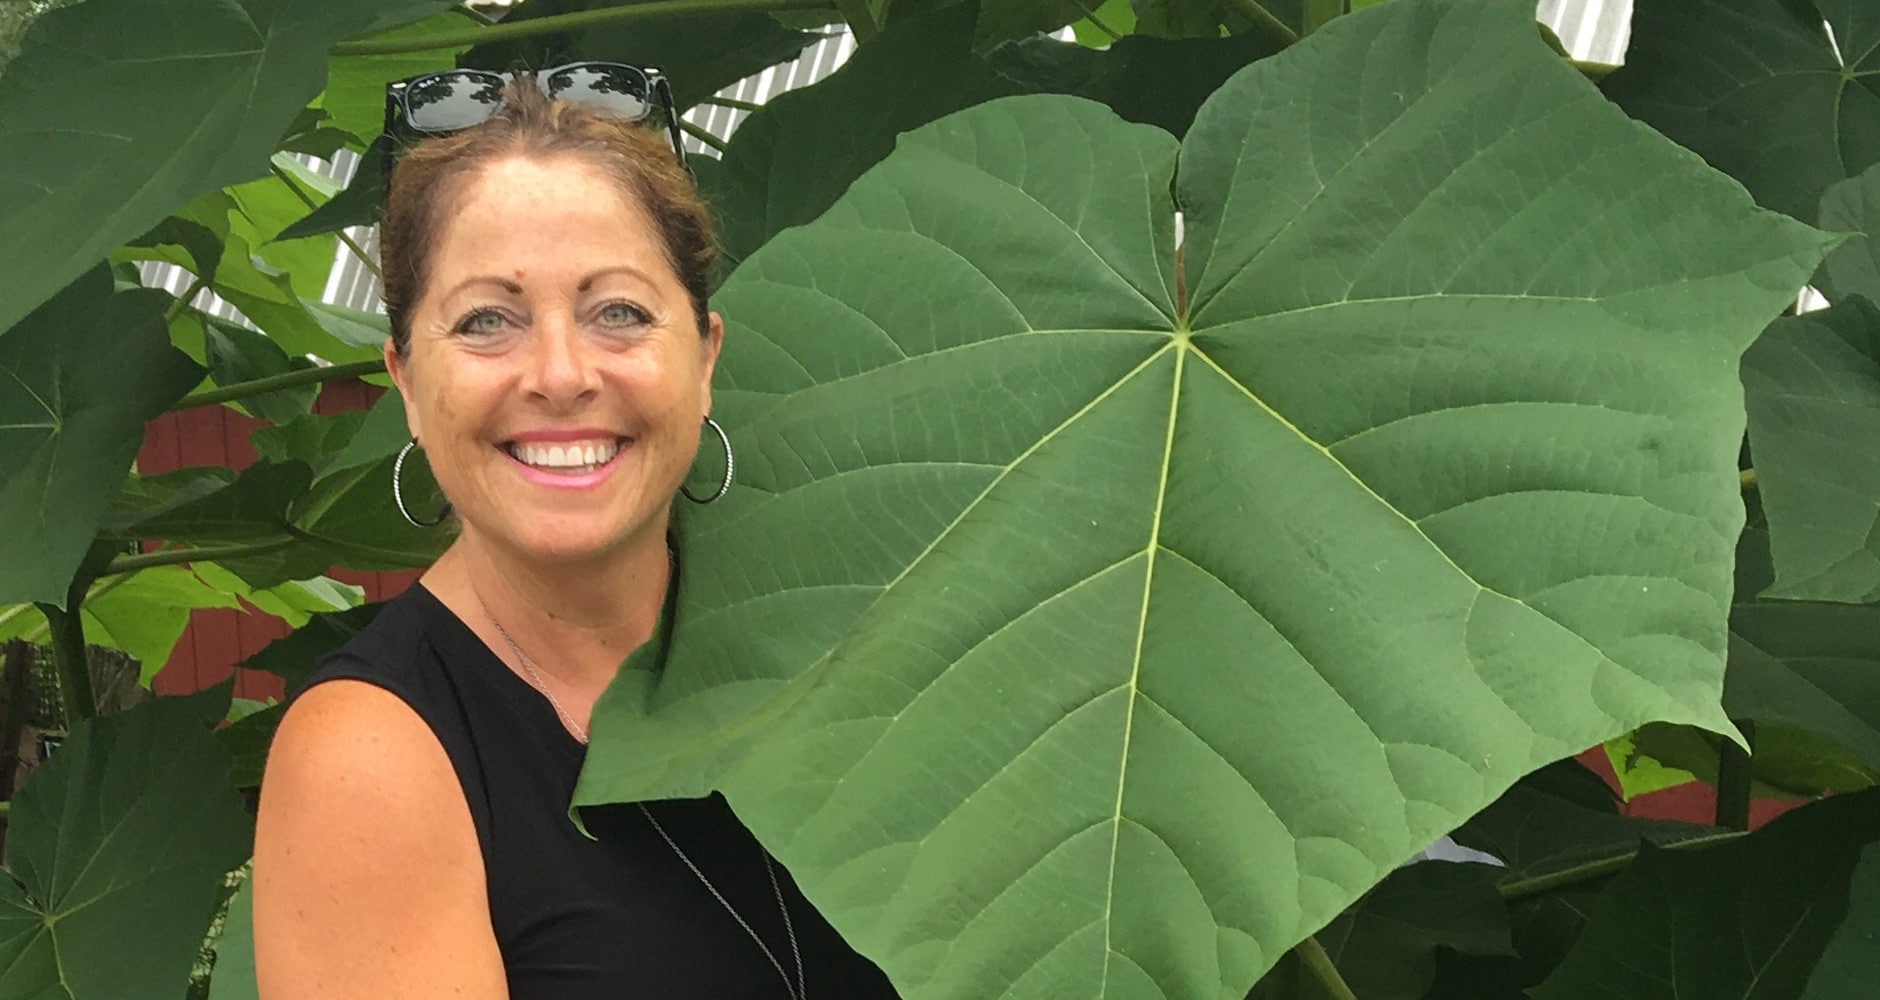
562, 367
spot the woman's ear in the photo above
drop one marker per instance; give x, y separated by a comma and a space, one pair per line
709, 346
401, 378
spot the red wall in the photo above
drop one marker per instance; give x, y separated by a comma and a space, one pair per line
218, 638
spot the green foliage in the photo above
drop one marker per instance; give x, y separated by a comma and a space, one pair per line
69, 426
938, 362
1750, 918
115, 852
1108, 617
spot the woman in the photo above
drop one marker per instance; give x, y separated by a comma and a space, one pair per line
545, 276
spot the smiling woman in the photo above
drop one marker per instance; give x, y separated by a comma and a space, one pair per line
545, 280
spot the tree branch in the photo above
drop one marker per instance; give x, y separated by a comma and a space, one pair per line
285, 380
511, 30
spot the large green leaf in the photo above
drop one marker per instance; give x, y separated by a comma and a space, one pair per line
1812, 666
1065, 633
1812, 385
116, 112
235, 951
70, 423
115, 849
1743, 921
1760, 89
700, 53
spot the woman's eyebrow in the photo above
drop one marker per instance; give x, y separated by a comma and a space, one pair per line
485, 279
626, 269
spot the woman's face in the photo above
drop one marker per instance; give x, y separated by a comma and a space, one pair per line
557, 378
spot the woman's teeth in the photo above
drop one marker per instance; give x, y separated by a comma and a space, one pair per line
574, 456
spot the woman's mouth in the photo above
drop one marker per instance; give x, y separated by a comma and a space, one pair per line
565, 458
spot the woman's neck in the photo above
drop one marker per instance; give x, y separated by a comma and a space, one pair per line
576, 621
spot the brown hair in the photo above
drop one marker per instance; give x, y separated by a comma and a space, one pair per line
435, 170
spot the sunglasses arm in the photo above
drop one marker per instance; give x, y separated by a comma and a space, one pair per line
672, 121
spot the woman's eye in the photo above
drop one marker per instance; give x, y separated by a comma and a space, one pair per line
622, 314
481, 321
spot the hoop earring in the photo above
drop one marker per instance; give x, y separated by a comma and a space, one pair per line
398, 493
730, 467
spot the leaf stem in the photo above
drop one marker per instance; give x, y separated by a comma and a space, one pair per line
1746, 479
1089, 7
1733, 780
731, 102
68, 657
1270, 26
285, 380
861, 22
574, 21
206, 553
182, 301
307, 200
701, 135
1312, 955
1601, 867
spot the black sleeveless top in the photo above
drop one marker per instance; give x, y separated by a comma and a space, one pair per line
580, 919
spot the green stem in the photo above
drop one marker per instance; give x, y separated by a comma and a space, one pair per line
1746, 479
1312, 955
1263, 19
1599, 868
861, 22
285, 380
1089, 7
575, 21
701, 135
1733, 780
307, 200
731, 102
68, 656
182, 301
206, 553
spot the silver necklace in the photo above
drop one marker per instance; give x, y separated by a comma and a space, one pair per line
798, 990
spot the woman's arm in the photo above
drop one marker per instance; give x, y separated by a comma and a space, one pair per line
368, 878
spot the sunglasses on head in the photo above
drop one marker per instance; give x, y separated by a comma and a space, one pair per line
455, 99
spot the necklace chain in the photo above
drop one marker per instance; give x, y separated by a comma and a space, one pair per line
797, 990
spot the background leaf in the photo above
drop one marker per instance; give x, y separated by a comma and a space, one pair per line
1758, 89
116, 112
1385, 945
1853, 205
1851, 964
1741, 920
69, 426
701, 54
1812, 386
1324, 601
120, 837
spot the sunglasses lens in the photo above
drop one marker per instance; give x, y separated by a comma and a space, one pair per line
445, 102
614, 89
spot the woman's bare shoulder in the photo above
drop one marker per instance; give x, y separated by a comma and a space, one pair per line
368, 876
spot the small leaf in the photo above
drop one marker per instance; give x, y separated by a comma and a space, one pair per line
1812, 388
1747, 919
237, 354
71, 422
292, 657
116, 848
1853, 206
